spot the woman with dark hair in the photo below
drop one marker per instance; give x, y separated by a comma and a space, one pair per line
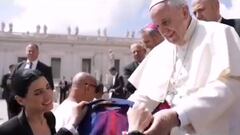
33, 93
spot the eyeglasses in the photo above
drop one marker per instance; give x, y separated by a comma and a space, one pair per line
93, 85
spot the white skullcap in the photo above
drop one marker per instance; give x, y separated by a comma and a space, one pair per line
155, 2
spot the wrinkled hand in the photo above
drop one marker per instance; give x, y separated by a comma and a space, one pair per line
78, 113
163, 122
139, 118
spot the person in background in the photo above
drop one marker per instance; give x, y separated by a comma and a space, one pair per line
138, 51
84, 88
209, 10
116, 86
32, 62
150, 36
99, 91
63, 86
196, 70
8, 94
34, 94
5, 82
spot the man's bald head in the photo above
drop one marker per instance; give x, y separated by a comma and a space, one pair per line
82, 78
83, 87
207, 10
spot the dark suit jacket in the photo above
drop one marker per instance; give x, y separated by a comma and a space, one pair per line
46, 70
232, 22
118, 87
127, 72
5, 86
13, 108
19, 125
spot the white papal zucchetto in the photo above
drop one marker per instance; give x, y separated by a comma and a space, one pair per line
155, 2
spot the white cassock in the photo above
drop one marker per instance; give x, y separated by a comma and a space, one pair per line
200, 80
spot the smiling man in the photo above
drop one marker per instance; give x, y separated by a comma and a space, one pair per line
209, 10
195, 70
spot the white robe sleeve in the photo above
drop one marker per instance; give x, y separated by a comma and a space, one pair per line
207, 105
212, 102
151, 78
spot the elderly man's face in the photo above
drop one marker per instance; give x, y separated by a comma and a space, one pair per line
148, 40
32, 52
206, 9
138, 52
172, 21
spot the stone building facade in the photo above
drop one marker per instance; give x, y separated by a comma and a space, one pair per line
68, 54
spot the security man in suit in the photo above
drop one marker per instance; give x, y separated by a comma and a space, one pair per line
138, 51
117, 83
32, 62
32, 52
209, 10
7, 93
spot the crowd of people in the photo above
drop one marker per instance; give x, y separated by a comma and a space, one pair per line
188, 61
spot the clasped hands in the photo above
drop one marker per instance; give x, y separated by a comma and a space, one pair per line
161, 123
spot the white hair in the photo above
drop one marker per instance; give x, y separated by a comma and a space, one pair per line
178, 3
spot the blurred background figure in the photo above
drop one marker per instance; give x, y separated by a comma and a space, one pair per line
6, 82
7, 93
111, 57
138, 52
64, 87
117, 83
99, 91
151, 36
209, 10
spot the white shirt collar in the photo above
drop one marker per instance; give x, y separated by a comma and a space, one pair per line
34, 64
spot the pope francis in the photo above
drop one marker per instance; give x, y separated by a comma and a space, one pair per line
196, 70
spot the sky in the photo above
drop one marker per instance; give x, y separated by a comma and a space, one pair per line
117, 16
